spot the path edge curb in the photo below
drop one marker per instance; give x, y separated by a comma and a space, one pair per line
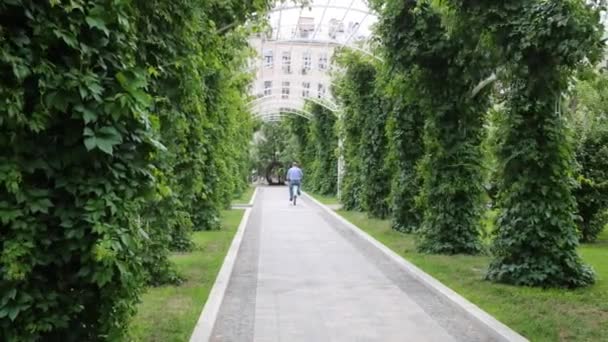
496, 328
206, 321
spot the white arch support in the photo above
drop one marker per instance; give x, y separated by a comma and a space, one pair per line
282, 112
279, 104
324, 101
312, 40
327, 6
347, 45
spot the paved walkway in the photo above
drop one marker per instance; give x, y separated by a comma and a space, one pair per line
301, 275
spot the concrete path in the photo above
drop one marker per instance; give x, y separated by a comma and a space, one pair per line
301, 275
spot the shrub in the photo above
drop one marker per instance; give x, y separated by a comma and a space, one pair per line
75, 147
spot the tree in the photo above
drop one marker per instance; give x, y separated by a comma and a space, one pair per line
75, 146
271, 154
366, 183
323, 166
590, 125
541, 43
592, 192
405, 131
115, 113
441, 51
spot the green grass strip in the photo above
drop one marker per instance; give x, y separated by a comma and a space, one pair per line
169, 313
538, 314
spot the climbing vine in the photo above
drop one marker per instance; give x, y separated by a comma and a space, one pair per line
118, 121
350, 129
312, 142
541, 44
271, 155
442, 55
300, 145
323, 171
76, 136
405, 126
366, 183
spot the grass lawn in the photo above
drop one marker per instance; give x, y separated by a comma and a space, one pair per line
539, 315
169, 313
327, 200
245, 196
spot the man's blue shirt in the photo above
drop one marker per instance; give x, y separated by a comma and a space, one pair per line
295, 174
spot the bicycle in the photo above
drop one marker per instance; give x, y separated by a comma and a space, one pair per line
295, 190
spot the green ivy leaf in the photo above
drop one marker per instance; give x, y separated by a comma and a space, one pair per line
105, 145
87, 115
98, 23
104, 139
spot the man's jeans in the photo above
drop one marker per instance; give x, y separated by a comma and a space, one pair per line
291, 184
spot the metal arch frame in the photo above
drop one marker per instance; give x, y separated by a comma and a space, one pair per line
276, 117
288, 103
325, 42
282, 103
324, 101
294, 34
284, 109
328, 42
277, 111
266, 104
274, 97
356, 29
280, 114
320, 21
347, 8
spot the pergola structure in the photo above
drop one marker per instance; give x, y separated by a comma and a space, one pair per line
322, 25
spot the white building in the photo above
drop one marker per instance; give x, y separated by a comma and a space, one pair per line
292, 67
294, 57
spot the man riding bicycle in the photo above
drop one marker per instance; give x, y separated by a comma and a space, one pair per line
294, 177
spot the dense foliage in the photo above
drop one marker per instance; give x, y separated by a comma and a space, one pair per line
444, 60
299, 145
446, 51
541, 43
366, 182
592, 192
349, 128
76, 140
121, 127
589, 120
405, 127
310, 141
322, 163
271, 155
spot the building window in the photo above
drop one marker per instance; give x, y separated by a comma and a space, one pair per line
285, 90
320, 91
286, 62
336, 27
305, 27
306, 62
268, 60
267, 88
305, 89
323, 61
